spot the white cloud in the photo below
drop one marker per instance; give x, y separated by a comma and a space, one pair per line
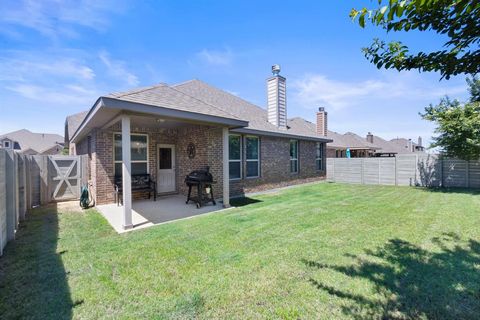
20, 69
118, 70
66, 95
53, 77
54, 18
216, 57
314, 90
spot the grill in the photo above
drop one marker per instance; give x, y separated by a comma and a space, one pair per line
203, 181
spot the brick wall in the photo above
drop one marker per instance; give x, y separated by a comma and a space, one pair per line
274, 160
275, 166
207, 141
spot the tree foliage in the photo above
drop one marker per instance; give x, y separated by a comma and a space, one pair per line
458, 20
458, 125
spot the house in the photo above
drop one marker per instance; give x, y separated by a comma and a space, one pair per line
31, 143
395, 146
359, 147
169, 130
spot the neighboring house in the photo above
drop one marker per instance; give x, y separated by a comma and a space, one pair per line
395, 146
31, 143
175, 129
371, 146
358, 146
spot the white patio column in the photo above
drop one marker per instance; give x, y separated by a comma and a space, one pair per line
226, 170
126, 173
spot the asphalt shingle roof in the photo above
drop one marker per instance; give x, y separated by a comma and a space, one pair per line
162, 95
38, 142
199, 97
73, 122
255, 115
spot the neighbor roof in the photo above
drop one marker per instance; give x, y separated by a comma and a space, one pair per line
356, 142
350, 140
401, 145
38, 142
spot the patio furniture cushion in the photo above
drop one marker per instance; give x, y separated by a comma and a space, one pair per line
140, 182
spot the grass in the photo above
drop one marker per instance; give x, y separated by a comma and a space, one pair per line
320, 251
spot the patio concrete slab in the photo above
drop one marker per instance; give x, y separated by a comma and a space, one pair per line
147, 213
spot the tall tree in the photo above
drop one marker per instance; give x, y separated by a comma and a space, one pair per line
458, 20
458, 125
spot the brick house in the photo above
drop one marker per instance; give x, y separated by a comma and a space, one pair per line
174, 129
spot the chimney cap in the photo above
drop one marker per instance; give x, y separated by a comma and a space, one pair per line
276, 69
369, 133
321, 109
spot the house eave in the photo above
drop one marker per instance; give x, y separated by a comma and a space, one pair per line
119, 106
280, 135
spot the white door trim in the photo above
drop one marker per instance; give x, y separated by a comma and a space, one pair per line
170, 172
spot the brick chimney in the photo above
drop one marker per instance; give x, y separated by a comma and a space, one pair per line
370, 137
277, 99
322, 122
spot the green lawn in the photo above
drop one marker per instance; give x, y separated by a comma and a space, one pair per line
320, 251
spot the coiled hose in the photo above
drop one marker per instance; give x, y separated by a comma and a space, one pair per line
86, 199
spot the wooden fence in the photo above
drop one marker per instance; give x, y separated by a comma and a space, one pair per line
30, 181
405, 170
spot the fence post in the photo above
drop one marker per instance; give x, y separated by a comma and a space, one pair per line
28, 183
3, 202
467, 174
22, 197
396, 169
416, 169
10, 194
441, 172
362, 172
43, 180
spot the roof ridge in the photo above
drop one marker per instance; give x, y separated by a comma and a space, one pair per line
235, 117
139, 90
221, 90
185, 82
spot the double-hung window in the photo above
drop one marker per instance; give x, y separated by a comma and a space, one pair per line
319, 156
293, 156
252, 145
235, 156
139, 153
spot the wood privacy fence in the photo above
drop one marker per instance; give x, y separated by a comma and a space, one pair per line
30, 181
406, 170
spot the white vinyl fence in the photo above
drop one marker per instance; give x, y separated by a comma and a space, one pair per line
29, 181
405, 170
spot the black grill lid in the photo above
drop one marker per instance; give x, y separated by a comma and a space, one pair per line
199, 176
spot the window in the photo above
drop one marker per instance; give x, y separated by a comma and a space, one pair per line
235, 156
6, 144
293, 156
139, 153
319, 157
252, 156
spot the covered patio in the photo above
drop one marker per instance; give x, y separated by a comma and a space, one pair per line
134, 134
147, 213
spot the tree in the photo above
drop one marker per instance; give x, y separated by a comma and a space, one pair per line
458, 125
458, 20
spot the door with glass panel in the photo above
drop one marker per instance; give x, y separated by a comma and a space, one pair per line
166, 168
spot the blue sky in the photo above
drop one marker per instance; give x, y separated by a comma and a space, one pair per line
57, 57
